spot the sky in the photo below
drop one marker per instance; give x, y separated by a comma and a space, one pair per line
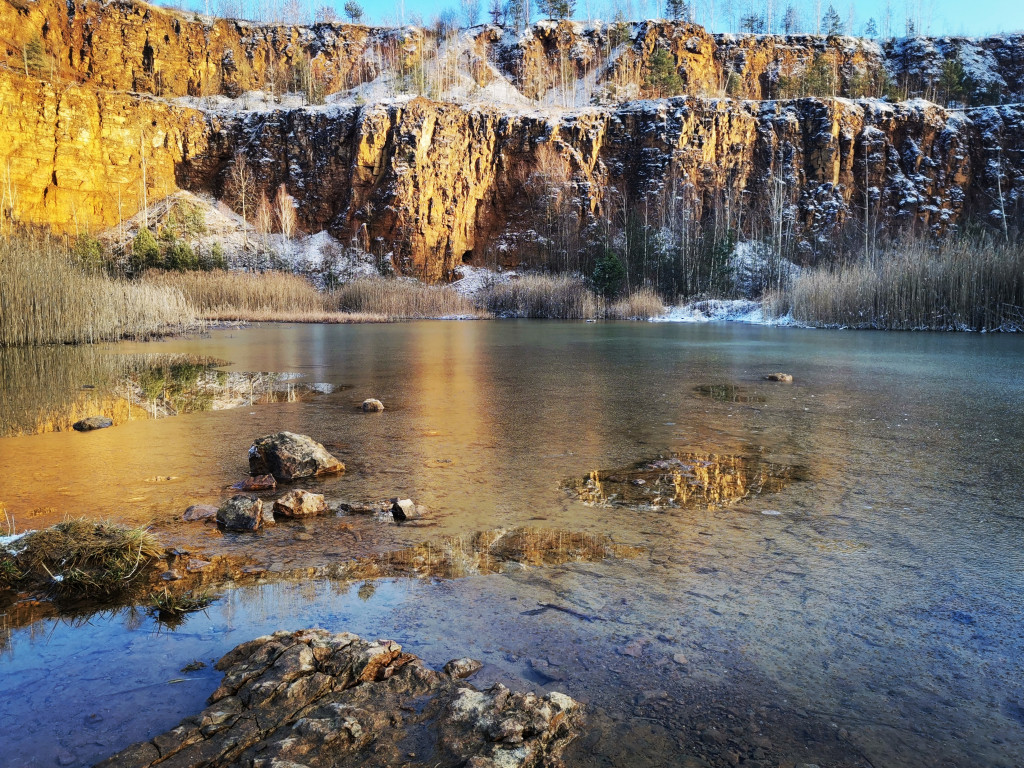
954, 17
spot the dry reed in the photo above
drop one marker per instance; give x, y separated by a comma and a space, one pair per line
642, 304
275, 316
542, 296
239, 294
961, 286
46, 299
403, 299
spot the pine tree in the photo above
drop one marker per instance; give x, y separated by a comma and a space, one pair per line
354, 11
871, 29
497, 13
35, 59
677, 10
791, 21
832, 22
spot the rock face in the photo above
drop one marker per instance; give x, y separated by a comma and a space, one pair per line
317, 700
431, 185
241, 513
288, 456
91, 423
300, 504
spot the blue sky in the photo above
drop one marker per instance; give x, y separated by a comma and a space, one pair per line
977, 17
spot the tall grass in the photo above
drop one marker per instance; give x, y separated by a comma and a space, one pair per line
239, 293
399, 299
642, 304
962, 285
544, 296
46, 299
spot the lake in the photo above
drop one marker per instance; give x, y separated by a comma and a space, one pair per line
864, 610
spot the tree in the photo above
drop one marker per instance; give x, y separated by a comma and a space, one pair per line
497, 13
871, 29
609, 274
145, 251
752, 23
677, 10
354, 11
556, 9
791, 21
35, 58
241, 187
663, 78
284, 205
833, 22
470, 12
325, 14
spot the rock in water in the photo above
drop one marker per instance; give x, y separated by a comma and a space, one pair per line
336, 701
372, 405
241, 513
460, 669
786, 377
258, 483
300, 504
404, 509
288, 456
91, 423
199, 512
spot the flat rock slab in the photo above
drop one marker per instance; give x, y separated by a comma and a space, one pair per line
257, 483
300, 504
313, 699
288, 456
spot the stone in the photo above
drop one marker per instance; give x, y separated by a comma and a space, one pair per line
323, 700
364, 508
257, 483
460, 669
299, 503
680, 658
199, 512
783, 377
195, 564
404, 509
91, 423
171, 575
241, 513
289, 456
372, 405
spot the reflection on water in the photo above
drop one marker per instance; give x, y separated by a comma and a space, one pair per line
867, 615
684, 480
48, 389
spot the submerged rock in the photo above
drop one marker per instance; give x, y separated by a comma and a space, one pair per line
288, 456
784, 377
462, 668
257, 483
300, 504
199, 512
372, 405
91, 423
241, 513
319, 700
364, 507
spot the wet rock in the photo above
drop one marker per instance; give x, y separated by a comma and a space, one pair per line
635, 649
199, 512
784, 377
288, 456
300, 504
404, 509
258, 483
679, 658
364, 507
462, 668
195, 564
91, 423
241, 513
336, 701
546, 670
171, 575
372, 405
301, 536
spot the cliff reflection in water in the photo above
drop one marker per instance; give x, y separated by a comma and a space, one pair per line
48, 389
684, 480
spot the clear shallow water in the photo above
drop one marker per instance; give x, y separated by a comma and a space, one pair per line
873, 620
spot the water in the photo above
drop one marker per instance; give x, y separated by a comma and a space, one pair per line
866, 613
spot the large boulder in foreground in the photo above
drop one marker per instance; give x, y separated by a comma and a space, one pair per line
288, 456
315, 700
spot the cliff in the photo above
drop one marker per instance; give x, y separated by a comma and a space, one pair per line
483, 146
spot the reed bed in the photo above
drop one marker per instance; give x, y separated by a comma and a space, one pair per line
963, 285
46, 299
542, 296
642, 304
242, 295
274, 316
403, 299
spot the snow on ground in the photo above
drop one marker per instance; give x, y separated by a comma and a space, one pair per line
472, 281
721, 310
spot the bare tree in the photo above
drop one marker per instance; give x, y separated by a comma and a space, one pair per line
325, 14
471, 12
284, 205
240, 186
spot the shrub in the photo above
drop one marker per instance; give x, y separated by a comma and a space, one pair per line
145, 251
609, 274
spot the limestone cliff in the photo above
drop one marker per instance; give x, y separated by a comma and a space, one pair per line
504, 152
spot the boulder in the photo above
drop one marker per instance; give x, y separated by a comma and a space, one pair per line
199, 512
404, 509
372, 405
241, 513
786, 377
91, 423
300, 504
288, 456
258, 483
